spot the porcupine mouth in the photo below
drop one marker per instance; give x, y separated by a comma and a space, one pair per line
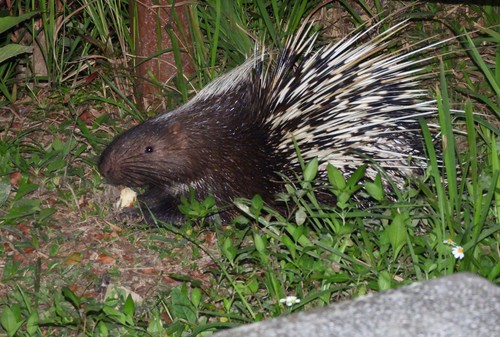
110, 175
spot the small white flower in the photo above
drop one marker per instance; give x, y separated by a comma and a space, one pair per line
449, 242
290, 300
458, 252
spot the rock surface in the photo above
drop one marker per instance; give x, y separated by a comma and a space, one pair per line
460, 305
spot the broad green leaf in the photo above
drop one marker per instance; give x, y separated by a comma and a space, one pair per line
9, 321
12, 50
397, 233
7, 22
129, 306
311, 170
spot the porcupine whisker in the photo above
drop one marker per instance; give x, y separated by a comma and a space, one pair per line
148, 176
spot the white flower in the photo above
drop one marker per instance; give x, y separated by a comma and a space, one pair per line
458, 252
290, 300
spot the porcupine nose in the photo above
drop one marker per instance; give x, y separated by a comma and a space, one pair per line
105, 167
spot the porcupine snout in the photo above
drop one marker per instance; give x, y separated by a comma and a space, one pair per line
108, 168
105, 167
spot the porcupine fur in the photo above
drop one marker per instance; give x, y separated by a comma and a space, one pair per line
347, 104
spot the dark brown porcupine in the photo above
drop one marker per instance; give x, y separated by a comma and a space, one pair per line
347, 104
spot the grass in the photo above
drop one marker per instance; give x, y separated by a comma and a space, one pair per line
68, 269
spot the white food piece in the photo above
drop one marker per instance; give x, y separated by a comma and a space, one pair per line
127, 198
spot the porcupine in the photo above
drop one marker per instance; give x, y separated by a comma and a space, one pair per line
347, 104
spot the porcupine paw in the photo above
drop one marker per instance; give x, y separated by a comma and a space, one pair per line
159, 210
130, 215
146, 215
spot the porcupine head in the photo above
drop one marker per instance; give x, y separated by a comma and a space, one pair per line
213, 145
346, 104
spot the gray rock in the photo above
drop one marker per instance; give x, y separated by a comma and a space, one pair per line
461, 305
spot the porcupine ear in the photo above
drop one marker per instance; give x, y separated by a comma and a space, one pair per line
175, 129
176, 135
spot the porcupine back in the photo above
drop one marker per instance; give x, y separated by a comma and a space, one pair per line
346, 104
350, 104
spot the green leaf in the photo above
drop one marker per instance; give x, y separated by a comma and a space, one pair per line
196, 297
356, 176
256, 204
22, 208
129, 306
115, 315
384, 281
32, 323
300, 216
155, 328
343, 198
24, 189
103, 329
12, 50
209, 202
71, 297
7, 22
253, 285
375, 189
45, 213
335, 177
9, 321
311, 170
290, 245
59, 310
182, 306
259, 242
397, 233
229, 250
56, 165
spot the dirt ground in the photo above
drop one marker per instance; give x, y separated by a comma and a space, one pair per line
83, 245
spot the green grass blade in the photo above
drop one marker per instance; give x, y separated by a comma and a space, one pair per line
448, 137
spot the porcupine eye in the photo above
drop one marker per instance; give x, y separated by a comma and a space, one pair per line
148, 149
